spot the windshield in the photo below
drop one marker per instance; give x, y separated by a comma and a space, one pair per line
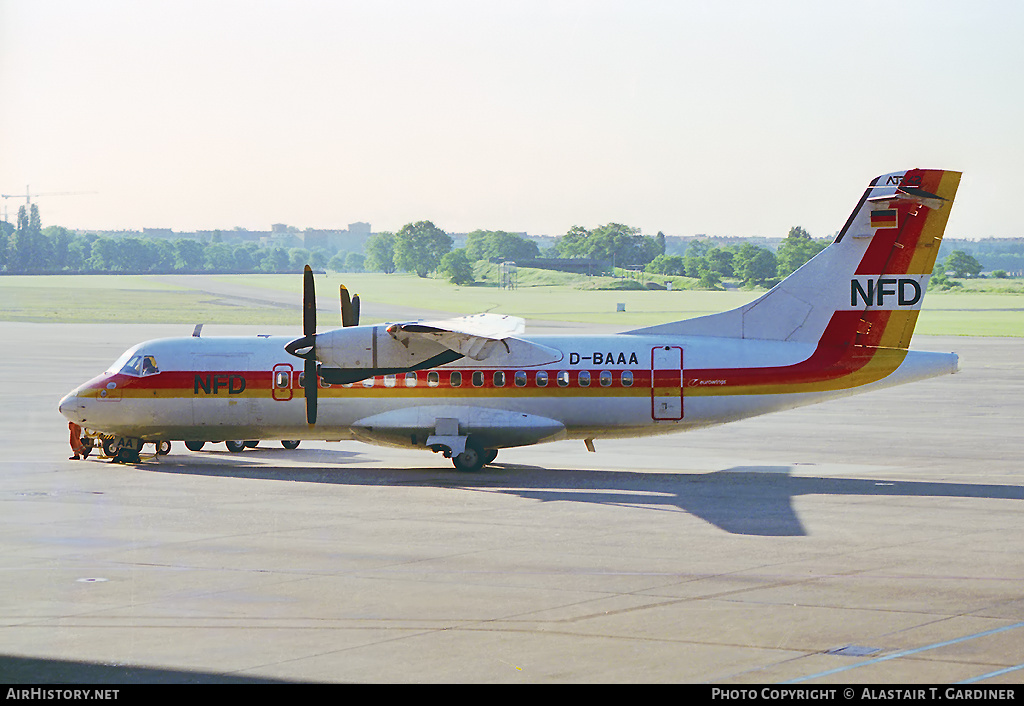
135, 363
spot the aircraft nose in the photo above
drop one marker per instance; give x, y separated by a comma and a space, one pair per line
71, 407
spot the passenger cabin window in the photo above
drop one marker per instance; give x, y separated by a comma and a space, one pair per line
499, 378
478, 378
411, 380
627, 378
605, 378
433, 379
542, 378
584, 378
281, 379
456, 379
389, 381
520, 378
562, 378
368, 382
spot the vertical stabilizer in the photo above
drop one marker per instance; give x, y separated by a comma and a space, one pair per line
866, 288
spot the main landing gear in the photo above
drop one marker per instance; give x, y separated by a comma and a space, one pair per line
473, 458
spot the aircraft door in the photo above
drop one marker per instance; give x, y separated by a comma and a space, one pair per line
281, 386
667, 383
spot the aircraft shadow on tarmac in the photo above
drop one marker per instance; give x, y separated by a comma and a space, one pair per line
36, 670
748, 500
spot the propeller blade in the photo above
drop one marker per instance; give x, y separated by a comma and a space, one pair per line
310, 385
355, 309
346, 307
308, 303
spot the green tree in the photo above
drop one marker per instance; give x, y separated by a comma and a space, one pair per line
707, 278
796, 249
23, 246
298, 258
666, 265
754, 265
219, 256
103, 255
961, 264
619, 244
487, 244
60, 240
694, 255
318, 259
380, 253
274, 260
457, 267
189, 255
720, 261
355, 262
244, 258
337, 262
573, 243
420, 246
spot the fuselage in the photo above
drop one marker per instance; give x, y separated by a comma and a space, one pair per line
213, 389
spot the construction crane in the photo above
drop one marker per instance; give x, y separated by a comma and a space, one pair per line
28, 196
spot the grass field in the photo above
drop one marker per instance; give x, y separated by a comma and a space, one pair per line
146, 299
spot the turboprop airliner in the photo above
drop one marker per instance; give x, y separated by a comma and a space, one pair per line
467, 387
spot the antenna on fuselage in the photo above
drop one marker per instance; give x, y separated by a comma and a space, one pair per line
197, 330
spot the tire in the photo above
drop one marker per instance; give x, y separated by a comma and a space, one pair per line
235, 446
490, 455
470, 460
126, 455
290, 444
163, 448
195, 445
110, 447
252, 444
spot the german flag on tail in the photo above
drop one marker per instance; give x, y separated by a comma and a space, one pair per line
884, 218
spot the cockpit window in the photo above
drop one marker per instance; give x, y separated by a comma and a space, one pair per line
140, 365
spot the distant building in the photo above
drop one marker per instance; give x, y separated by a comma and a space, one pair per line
359, 229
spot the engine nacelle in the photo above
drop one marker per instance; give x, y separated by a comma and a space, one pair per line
373, 348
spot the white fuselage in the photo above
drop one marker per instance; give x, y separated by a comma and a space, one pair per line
214, 389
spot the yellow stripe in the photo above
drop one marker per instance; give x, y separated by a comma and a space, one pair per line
923, 260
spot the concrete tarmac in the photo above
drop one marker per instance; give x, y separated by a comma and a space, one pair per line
876, 539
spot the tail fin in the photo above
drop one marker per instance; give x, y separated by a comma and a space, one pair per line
866, 287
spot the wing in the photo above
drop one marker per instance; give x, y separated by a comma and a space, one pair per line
472, 336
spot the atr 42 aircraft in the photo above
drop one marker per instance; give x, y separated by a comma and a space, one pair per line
469, 386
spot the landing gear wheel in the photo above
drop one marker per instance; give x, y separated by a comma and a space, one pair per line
235, 446
490, 455
195, 445
290, 444
163, 448
126, 455
252, 444
472, 459
110, 447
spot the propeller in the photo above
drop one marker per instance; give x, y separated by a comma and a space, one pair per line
305, 347
349, 307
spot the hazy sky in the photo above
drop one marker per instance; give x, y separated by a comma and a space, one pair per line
724, 118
